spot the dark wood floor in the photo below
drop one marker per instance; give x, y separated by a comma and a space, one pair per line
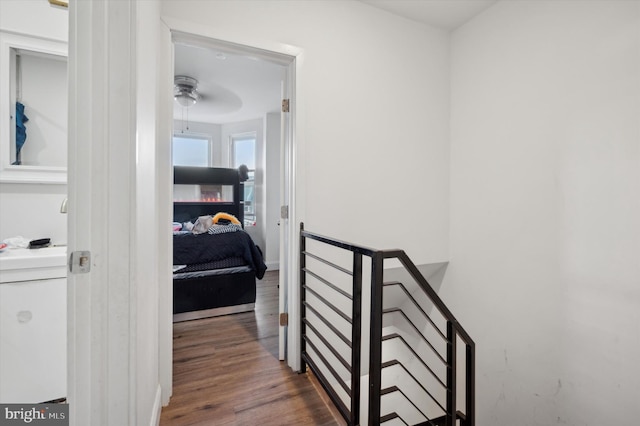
226, 372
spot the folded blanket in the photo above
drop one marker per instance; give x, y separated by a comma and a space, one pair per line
223, 229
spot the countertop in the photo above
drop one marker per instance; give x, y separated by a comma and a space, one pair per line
33, 264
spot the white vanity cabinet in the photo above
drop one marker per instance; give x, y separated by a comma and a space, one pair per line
33, 325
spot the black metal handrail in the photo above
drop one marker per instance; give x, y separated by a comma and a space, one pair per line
454, 331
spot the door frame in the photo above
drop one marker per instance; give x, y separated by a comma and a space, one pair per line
290, 57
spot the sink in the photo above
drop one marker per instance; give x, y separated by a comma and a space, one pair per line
33, 264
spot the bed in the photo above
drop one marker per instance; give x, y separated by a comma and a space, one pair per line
215, 271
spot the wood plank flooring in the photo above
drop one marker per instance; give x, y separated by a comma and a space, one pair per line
226, 372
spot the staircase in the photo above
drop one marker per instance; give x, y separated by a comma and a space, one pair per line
415, 365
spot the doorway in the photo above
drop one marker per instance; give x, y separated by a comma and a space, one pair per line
240, 92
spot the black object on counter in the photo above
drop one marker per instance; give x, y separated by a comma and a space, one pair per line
41, 243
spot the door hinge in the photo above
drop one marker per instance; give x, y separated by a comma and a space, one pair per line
284, 319
285, 105
284, 212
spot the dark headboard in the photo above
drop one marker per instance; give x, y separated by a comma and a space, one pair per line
184, 211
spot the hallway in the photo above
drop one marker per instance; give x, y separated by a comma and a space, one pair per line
226, 372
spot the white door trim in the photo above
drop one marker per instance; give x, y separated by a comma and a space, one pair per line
164, 182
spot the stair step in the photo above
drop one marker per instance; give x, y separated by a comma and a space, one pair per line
388, 417
390, 336
389, 390
390, 363
392, 416
442, 420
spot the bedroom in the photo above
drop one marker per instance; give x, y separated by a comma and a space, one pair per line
237, 113
226, 156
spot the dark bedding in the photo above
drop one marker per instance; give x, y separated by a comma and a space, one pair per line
191, 249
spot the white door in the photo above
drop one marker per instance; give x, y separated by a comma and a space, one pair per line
288, 295
101, 185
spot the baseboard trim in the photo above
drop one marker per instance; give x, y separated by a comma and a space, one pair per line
214, 312
273, 266
157, 408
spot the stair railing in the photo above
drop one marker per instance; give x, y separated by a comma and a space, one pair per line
313, 341
315, 358
454, 331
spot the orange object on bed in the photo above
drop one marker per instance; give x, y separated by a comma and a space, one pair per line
226, 216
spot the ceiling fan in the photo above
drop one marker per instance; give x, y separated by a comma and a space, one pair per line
185, 90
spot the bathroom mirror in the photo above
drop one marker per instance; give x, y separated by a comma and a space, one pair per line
33, 107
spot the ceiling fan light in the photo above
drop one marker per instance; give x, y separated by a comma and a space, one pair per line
186, 99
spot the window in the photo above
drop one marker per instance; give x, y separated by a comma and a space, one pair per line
244, 152
191, 151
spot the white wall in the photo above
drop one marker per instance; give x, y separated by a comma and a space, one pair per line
33, 210
372, 123
36, 18
545, 212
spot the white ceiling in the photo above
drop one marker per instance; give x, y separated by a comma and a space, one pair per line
237, 88
232, 87
445, 14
